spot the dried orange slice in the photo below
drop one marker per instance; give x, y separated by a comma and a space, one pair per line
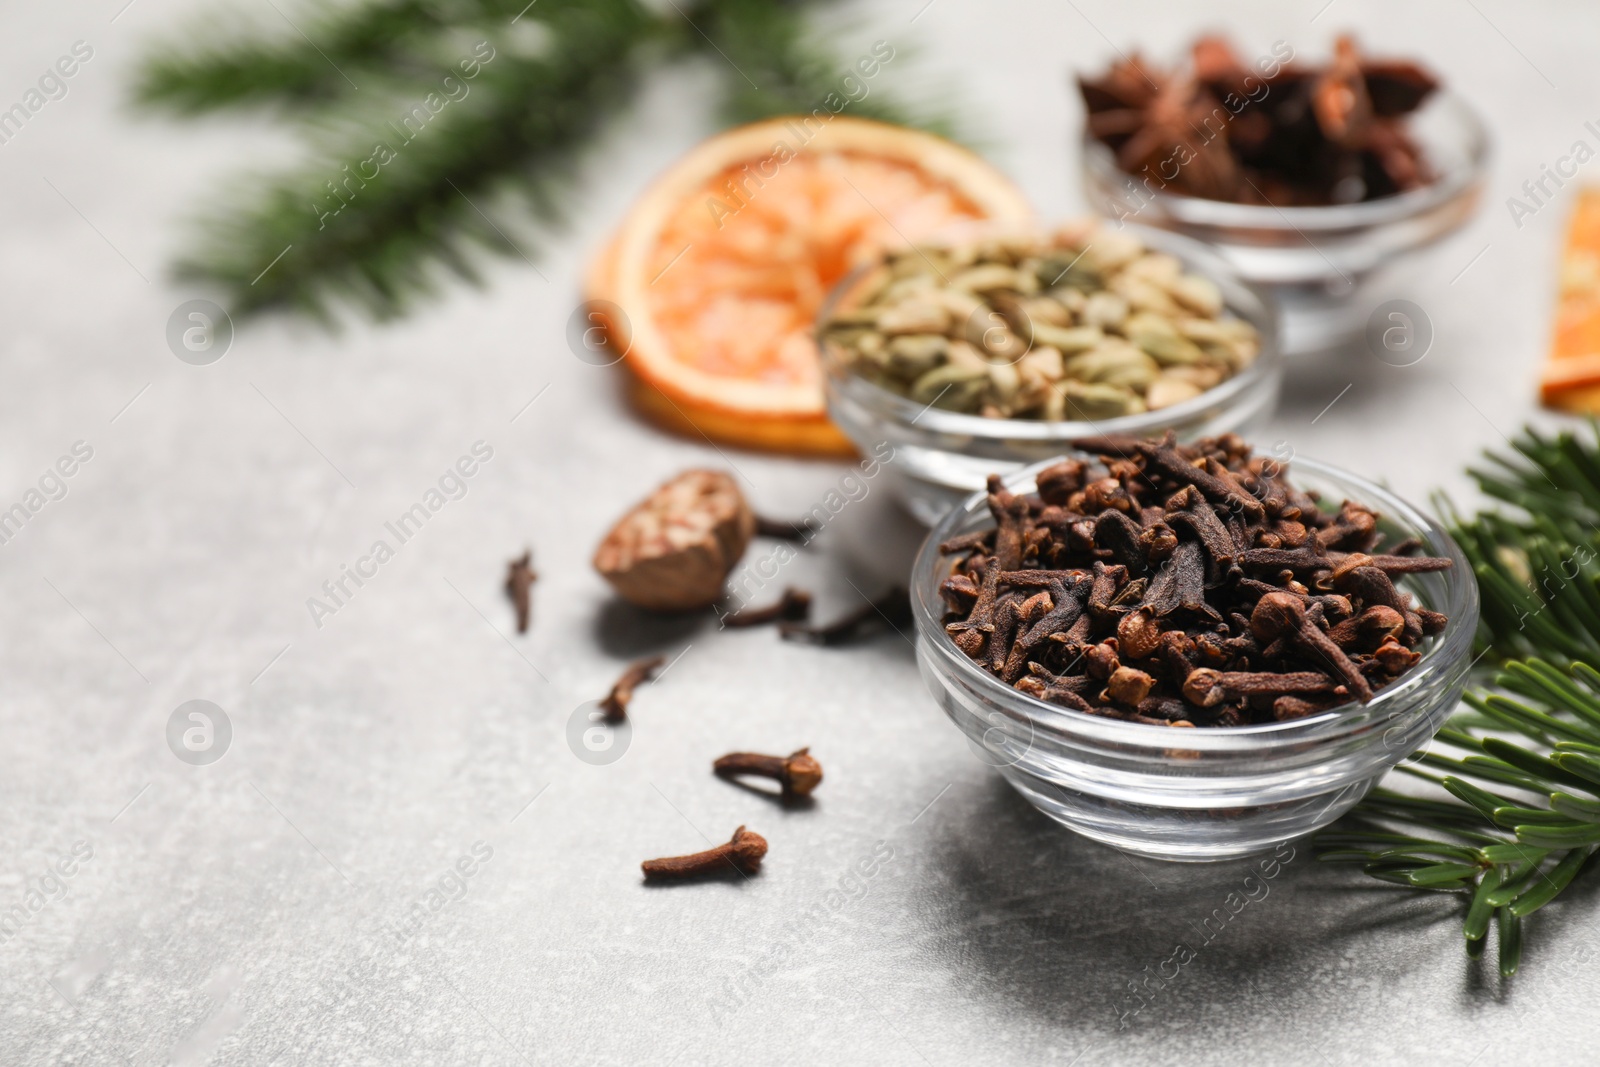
719, 270
1571, 379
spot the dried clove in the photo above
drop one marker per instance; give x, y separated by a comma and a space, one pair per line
1103, 590
1284, 615
615, 704
1119, 535
1129, 685
1301, 561
1056, 689
1368, 629
1058, 482
892, 609
1101, 661
1180, 585
1139, 634
1037, 579
798, 773
1183, 585
959, 592
964, 542
743, 853
520, 577
1006, 620
793, 606
1192, 513
1164, 459
1067, 604
1392, 564
1285, 708
982, 611
784, 530
1207, 687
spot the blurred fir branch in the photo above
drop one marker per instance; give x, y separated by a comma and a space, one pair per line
278, 64
776, 67
1538, 561
408, 173
1519, 813
1513, 814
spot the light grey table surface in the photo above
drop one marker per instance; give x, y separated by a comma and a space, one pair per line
244, 912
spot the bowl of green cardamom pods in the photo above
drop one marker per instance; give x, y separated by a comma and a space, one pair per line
989, 354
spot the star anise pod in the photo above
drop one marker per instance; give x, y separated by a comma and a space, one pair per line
1223, 130
1156, 123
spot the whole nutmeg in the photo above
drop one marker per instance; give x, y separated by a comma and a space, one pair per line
674, 550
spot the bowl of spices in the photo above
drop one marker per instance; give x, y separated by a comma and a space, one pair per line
1186, 653
1311, 181
990, 354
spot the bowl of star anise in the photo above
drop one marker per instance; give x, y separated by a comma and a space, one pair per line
1310, 179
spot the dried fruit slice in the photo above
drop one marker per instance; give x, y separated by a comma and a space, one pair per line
721, 267
1571, 380
674, 550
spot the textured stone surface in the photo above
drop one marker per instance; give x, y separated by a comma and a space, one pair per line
244, 912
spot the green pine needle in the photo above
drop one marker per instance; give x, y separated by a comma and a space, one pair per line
316, 59
776, 67
1516, 817
416, 166
1538, 559
1510, 850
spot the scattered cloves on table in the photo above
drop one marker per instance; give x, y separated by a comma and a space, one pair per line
520, 577
892, 609
793, 606
615, 704
798, 773
743, 852
1183, 585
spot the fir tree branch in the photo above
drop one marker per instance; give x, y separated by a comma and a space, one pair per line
277, 65
1513, 815
299, 58
376, 213
1538, 559
374, 238
1512, 823
772, 65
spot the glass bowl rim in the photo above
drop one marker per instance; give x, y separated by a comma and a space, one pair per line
1246, 301
1448, 648
1199, 211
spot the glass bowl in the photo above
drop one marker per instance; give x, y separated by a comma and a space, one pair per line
941, 457
1207, 793
1318, 265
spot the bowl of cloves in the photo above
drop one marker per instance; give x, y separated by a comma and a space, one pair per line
1311, 178
991, 353
1186, 652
